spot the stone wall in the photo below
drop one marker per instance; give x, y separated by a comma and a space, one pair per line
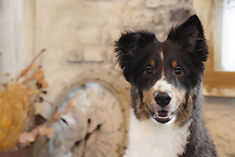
81, 34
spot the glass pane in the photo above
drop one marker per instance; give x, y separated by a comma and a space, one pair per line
224, 37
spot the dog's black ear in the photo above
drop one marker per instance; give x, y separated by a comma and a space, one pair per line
190, 35
128, 46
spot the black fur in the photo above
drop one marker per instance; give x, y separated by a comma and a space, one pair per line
185, 44
200, 142
130, 45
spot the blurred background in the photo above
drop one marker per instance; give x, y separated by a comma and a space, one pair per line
79, 64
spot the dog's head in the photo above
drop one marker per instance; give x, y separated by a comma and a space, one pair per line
165, 74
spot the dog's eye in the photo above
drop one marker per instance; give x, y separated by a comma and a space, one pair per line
148, 70
178, 70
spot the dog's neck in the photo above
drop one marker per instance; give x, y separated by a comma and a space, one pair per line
150, 138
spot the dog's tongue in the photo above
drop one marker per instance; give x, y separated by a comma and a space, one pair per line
162, 113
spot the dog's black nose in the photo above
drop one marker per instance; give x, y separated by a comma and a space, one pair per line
162, 98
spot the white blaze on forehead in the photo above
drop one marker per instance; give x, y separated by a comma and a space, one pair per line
162, 59
162, 85
161, 55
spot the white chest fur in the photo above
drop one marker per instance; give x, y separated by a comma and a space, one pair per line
149, 138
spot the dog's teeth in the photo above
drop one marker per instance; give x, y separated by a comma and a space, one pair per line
155, 116
163, 117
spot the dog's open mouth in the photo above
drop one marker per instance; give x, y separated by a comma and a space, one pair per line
163, 116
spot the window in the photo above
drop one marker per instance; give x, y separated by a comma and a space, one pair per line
224, 36
219, 77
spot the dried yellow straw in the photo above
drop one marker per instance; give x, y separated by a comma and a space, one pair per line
16, 108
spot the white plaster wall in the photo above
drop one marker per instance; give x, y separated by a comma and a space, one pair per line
79, 34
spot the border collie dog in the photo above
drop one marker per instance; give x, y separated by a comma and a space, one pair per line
167, 104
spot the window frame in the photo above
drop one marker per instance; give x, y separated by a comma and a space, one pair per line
216, 83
